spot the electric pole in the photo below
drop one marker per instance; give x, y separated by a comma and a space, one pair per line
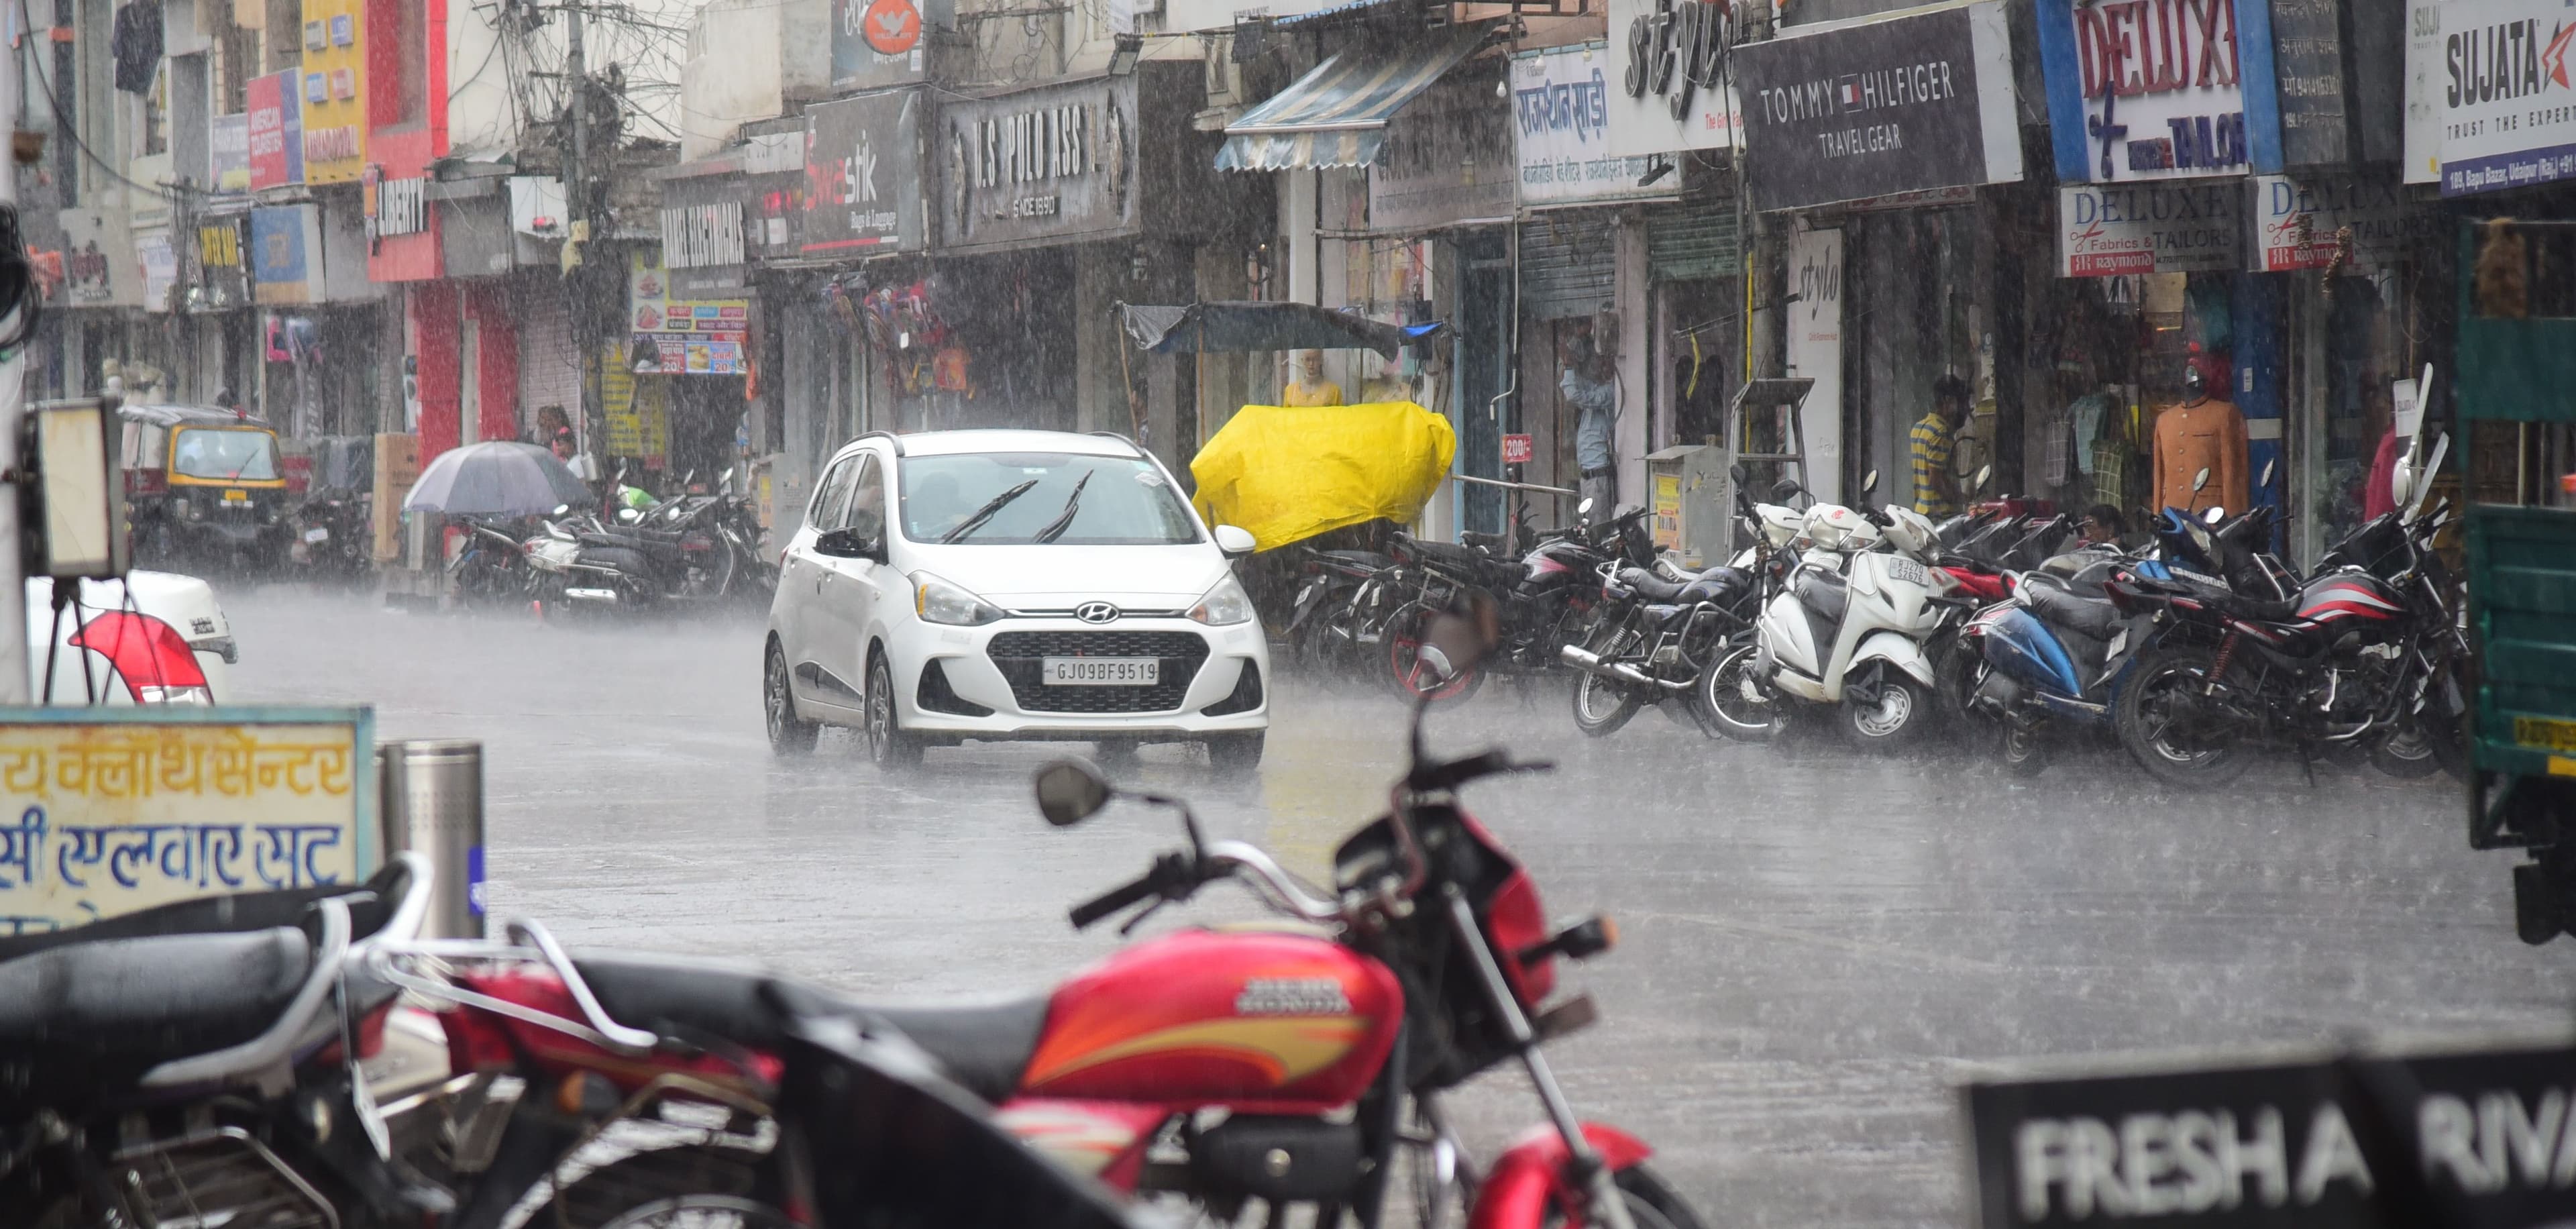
576, 182
14, 661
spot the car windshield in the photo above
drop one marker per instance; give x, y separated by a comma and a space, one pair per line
224, 454
1123, 501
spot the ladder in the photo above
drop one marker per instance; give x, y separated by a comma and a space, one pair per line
1767, 393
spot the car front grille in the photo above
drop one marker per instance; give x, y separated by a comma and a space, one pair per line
1018, 654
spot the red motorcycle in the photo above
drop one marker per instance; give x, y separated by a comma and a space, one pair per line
1224, 1066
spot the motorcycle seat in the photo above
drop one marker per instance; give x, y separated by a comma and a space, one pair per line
2093, 616
1826, 593
135, 1001
984, 1047
1444, 552
1361, 558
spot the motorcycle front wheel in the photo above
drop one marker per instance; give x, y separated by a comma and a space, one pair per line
2406, 754
2177, 734
1416, 668
1652, 1203
1727, 703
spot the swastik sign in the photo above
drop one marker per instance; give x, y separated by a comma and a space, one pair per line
108, 813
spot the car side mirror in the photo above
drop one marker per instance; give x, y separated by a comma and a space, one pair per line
1071, 791
846, 544
1235, 540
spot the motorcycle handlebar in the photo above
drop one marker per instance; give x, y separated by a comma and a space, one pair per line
1450, 774
1172, 876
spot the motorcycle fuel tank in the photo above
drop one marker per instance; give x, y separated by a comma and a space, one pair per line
1264, 1021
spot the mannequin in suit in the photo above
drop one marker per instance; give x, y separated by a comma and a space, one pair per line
2203, 430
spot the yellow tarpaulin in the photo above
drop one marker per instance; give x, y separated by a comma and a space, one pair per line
1286, 474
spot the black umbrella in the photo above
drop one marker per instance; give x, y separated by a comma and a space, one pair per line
501, 478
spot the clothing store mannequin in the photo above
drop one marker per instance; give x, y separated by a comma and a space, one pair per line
1306, 382
2203, 430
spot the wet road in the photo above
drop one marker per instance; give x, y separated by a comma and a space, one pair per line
1814, 946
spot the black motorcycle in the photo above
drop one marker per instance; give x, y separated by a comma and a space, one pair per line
1546, 599
1658, 635
698, 548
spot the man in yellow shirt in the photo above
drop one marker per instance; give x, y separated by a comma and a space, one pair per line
1306, 382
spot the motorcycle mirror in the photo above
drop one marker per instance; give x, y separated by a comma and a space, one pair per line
628, 516
2266, 479
1736, 472
1869, 483
1071, 791
1584, 510
1984, 474
2423, 475
2200, 479
2214, 515
561, 509
1785, 490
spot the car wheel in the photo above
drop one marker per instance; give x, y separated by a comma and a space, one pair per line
1236, 755
788, 733
889, 747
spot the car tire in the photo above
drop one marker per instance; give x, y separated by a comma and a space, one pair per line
890, 748
1236, 755
789, 734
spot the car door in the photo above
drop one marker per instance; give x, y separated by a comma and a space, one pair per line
801, 624
850, 587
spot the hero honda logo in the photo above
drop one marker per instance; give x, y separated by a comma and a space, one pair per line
1292, 996
1095, 612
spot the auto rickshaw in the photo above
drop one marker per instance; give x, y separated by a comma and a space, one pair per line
204, 486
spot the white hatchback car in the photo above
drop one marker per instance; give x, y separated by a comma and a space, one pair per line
1028, 585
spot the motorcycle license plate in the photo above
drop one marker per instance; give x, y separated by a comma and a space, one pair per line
236, 496
1908, 571
1100, 671
317, 534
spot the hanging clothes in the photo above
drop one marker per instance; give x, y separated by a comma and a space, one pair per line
135, 45
2085, 417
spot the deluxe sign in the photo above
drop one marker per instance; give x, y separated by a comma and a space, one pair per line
2301, 222
124, 809
1666, 64
2107, 231
2501, 107
1918, 99
2470, 1138
2159, 89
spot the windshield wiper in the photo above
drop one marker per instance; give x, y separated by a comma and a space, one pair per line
1064, 520
979, 517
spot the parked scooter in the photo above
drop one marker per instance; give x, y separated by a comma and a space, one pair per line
696, 548
1852, 630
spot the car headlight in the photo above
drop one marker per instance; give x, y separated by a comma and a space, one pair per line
1224, 605
938, 601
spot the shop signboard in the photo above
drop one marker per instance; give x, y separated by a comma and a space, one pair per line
774, 192
286, 254
2304, 221
885, 42
1560, 126
275, 124
223, 282
99, 265
1915, 100
863, 192
2475, 1135
159, 262
1447, 160
1048, 164
2499, 104
228, 153
335, 89
118, 810
1518, 449
2106, 230
1666, 60
1815, 352
703, 244
692, 337
2159, 89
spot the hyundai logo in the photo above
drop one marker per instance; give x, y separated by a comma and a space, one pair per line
1095, 612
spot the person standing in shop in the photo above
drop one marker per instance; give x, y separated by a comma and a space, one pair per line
1592, 388
1935, 435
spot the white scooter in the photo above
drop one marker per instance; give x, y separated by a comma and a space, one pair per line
1850, 629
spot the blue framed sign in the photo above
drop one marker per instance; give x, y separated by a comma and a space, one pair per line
104, 811
2142, 90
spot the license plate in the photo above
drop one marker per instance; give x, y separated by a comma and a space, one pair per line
2544, 733
1908, 571
1100, 671
317, 534
236, 496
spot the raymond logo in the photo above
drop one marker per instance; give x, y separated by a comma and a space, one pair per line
1292, 996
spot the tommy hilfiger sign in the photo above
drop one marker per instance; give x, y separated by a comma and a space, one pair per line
1874, 108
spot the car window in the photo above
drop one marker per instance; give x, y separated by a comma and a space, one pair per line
866, 513
224, 454
1026, 498
825, 515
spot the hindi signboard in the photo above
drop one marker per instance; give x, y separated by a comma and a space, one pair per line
1560, 121
109, 810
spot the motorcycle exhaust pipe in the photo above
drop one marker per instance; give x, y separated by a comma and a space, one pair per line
1590, 662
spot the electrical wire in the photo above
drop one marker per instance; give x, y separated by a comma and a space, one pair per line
64, 127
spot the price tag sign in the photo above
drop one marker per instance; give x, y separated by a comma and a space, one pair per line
106, 811
1517, 450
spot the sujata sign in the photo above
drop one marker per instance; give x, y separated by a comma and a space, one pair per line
1918, 99
2159, 89
2500, 107
2467, 1139
2106, 231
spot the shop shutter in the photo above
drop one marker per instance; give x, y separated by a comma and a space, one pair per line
1566, 266
1696, 243
549, 372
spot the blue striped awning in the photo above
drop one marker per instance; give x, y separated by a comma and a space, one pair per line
1337, 114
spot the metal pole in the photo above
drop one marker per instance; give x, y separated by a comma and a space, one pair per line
576, 179
430, 801
13, 387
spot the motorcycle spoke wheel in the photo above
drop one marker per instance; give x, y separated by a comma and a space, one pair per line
1723, 707
2022, 752
1601, 707
2406, 754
